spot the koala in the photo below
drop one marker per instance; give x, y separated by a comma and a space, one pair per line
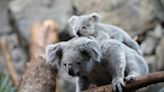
82, 57
89, 25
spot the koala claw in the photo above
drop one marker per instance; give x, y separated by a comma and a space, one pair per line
118, 84
130, 77
92, 86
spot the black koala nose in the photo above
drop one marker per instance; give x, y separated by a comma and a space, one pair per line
70, 72
78, 73
78, 33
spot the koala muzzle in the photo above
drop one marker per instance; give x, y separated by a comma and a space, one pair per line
70, 71
78, 33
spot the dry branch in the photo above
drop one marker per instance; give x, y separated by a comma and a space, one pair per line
9, 62
39, 77
41, 36
139, 82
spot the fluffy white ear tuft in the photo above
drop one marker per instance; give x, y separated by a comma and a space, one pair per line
54, 54
95, 17
71, 20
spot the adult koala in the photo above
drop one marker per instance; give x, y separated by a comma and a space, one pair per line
84, 58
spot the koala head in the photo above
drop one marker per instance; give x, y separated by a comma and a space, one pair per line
77, 56
84, 25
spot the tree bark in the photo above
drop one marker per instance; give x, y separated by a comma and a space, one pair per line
40, 77
139, 82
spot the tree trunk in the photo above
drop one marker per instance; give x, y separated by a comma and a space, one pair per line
39, 77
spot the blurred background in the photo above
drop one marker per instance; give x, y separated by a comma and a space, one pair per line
143, 19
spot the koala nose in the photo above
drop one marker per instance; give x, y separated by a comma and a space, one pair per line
78, 73
78, 33
70, 72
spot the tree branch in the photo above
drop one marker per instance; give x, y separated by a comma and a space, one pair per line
41, 36
9, 62
39, 77
139, 82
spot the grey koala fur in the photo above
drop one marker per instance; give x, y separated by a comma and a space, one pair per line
84, 58
89, 25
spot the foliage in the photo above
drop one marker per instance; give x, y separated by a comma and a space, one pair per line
6, 84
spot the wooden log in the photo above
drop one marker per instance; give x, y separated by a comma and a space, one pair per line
39, 77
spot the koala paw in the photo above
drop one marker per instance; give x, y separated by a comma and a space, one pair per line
130, 77
118, 84
92, 86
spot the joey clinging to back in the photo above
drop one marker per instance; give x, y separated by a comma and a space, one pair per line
89, 25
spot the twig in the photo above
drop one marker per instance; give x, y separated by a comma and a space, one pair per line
9, 62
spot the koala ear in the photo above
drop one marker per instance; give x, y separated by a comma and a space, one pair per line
94, 17
93, 49
71, 20
54, 54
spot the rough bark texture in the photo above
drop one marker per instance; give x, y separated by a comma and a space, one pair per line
139, 82
39, 77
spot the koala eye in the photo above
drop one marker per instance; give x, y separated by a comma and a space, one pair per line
78, 62
84, 27
64, 64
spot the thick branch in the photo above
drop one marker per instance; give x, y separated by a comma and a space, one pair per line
41, 36
39, 77
139, 82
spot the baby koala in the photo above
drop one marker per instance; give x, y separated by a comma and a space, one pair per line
89, 25
83, 58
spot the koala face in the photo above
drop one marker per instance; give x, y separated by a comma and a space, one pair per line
83, 25
75, 62
77, 57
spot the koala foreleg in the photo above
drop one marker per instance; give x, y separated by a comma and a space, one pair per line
116, 65
118, 74
82, 83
